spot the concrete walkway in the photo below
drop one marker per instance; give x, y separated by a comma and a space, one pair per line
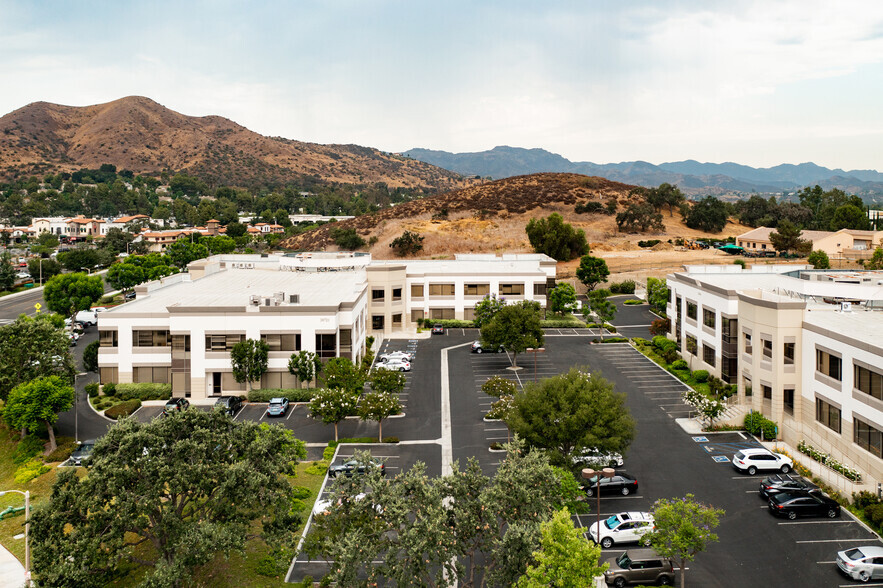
12, 572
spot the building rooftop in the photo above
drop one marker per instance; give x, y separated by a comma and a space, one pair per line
864, 326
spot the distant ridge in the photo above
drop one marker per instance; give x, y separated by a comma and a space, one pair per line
691, 176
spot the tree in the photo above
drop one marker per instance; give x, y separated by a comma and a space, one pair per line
124, 276
388, 381
82, 258
306, 365
556, 238
220, 244
786, 238
562, 298
639, 218
850, 216
407, 243
565, 559
819, 259
190, 486
68, 294
660, 326
90, 356
709, 215
683, 529
38, 402
31, 348
571, 412
182, 252
236, 229
876, 261
117, 240
47, 239
486, 309
332, 405
43, 268
341, 372
7, 272
376, 406
657, 295
592, 271
347, 239
665, 195
249, 360
604, 309
516, 327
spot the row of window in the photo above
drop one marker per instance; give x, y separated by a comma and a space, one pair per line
418, 290
767, 349
325, 343
828, 415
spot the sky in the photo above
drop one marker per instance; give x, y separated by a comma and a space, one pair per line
758, 83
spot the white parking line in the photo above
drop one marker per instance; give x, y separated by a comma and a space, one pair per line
840, 540
818, 523
291, 412
853, 585
629, 497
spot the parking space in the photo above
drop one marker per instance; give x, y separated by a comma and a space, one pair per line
409, 346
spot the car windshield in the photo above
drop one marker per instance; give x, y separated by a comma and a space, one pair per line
624, 561
276, 403
612, 522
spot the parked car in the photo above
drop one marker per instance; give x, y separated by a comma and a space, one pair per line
804, 504
438, 330
229, 404
393, 355
782, 483
89, 318
83, 453
277, 407
862, 563
625, 527
620, 483
175, 404
129, 296
397, 365
78, 326
352, 466
74, 337
758, 459
478, 348
639, 566
592, 457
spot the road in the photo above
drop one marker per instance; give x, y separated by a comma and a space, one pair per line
12, 306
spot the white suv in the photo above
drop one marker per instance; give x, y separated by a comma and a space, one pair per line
625, 527
759, 459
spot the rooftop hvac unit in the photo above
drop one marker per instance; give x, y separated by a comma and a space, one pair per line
255, 300
268, 302
249, 265
294, 299
845, 307
279, 296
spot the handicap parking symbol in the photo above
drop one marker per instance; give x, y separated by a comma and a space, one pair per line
700, 439
721, 458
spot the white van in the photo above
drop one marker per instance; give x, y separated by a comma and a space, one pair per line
88, 317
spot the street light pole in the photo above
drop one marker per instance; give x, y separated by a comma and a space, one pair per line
77, 408
587, 474
534, 351
27, 495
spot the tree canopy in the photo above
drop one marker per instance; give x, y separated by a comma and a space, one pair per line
486, 309
306, 365
341, 372
182, 252
592, 271
7, 272
819, 260
562, 298
516, 327
709, 215
604, 309
33, 347
332, 405
68, 294
639, 217
37, 403
556, 238
408, 243
786, 238
249, 359
124, 276
191, 485
377, 406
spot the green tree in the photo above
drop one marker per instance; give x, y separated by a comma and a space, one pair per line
90, 356
31, 348
387, 381
592, 271
604, 309
79, 259
341, 372
43, 268
347, 239
516, 327
819, 260
117, 240
249, 360
565, 559
683, 529
182, 252
562, 298
305, 365
876, 261
407, 243
47, 239
639, 218
332, 405
486, 309
190, 486
665, 195
657, 295
709, 215
556, 238
786, 238
124, 276
376, 406
68, 294
7, 272
571, 412
38, 402
221, 244
236, 229
850, 216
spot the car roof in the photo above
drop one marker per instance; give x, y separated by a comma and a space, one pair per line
637, 554
869, 550
635, 516
756, 451
274, 400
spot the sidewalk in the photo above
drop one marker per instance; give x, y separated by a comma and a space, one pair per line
12, 572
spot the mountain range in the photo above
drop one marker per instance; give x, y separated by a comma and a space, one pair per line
691, 176
137, 134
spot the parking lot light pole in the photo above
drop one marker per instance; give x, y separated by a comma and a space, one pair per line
27, 495
587, 474
77, 408
534, 351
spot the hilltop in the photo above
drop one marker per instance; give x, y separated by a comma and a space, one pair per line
138, 134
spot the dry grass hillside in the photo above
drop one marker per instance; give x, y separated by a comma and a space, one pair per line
492, 217
137, 134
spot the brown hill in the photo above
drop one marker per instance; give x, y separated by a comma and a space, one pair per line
492, 217
137, 134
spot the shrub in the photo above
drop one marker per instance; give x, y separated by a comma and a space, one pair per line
827, 460
328, 452
144, 391
30, 470
700, 376
30, 446
317, 468
649, 243
865, 498
267, 566
610, 327
660, 326
590, 208
66, 446
739, 262
390, 440
300, 492
633, 302
449, 323
641, 341
669, 355
292, 394
679, 364
663, 343
624, 287
757, 424
110, 389
92, 389
498, 386
307, 582
122, 409
562, 323
874, 513
615, 340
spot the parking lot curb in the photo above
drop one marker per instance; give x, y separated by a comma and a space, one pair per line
101, 414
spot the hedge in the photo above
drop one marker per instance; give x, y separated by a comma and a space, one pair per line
92, 389
122, 409
632, 302
144, 391
564, 322
756, 423
292, 394
448, 323
615, 340
626, 287
700, 376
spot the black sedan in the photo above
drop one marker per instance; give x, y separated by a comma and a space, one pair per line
620, 483
175, 404
782, 483
804, 504
229, 404
353, 466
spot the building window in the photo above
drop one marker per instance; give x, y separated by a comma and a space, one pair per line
748, 348
108, 375
441, 289
222, 342
416, 315
767, 349
746, 384
476, 289
396, 294
828, 415
691, 344
767, 392
788, 394
345, 337
691, 310
512, 289
143, 338
416, 290
377, 295
377, 322
708, 354
397, 320
286, 342
829, 365
869, 382
469, 314
326, 344
867, 437
539, 289
108, 339
788, 353
441, 313
151, 375
708, 317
